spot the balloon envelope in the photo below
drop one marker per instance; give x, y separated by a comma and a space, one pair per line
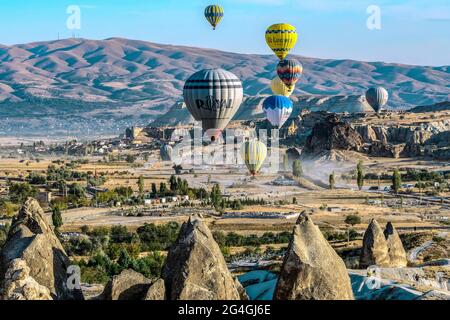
289, 71
166, 152
377, 97
279, 88
213, 97
278, 109
214, 15
281, 38
253, 153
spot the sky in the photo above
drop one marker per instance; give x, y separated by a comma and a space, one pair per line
410, 31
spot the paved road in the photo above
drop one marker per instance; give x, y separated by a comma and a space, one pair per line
416, 251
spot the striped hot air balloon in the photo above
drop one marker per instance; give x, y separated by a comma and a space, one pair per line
279, 88
281, 38
377, 97
278, 110
289, 71
253, 153
214, 15
213, 97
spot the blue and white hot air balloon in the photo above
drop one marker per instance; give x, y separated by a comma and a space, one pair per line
278, 109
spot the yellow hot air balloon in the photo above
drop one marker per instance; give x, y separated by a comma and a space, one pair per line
279, 88
214, 15
281, 38
253, 153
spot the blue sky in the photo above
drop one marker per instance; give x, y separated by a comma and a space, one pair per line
412, 31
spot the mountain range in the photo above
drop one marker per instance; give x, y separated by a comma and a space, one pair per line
83, 87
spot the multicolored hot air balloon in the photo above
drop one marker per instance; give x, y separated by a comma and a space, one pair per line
279, 88
214, 15
281, 38
377, 97
278, 110
289, 71
213, 97
166, 152
253, 153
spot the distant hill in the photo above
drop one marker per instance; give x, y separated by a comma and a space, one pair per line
442, 106
89, 87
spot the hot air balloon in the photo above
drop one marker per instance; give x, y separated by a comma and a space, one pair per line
213, 97
253, 153
166, 152
279, 88
281, 38
377, 97
214, 15
278, 109
289, 71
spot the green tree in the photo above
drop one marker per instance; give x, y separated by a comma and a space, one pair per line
332, 181
57, 217
162, 188
396, 181
19, 192
297, 169
154, 189
141, 185
360, 175
216, 196
130, 158
173, 182
352, 219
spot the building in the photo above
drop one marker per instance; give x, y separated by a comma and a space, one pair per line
44, 197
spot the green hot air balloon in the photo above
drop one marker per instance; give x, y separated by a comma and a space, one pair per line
213, 97
253, 153
377, 97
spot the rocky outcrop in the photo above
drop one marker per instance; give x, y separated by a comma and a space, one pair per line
429, 138
332, 134
19, 285
242, 293
382, 248
32, 240
195, 268
375, 248
312, 270
157, 291
128, 285
397, 253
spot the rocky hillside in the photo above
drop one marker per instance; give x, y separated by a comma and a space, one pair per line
95, 87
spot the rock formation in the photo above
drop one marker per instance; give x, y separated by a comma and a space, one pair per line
128, 285
382, 248
32, 240
195, 268
375, 249
332, 134
397, 253
19, 285
157, 291
312, 270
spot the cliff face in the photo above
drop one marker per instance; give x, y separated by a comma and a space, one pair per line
426, 135
430, 139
